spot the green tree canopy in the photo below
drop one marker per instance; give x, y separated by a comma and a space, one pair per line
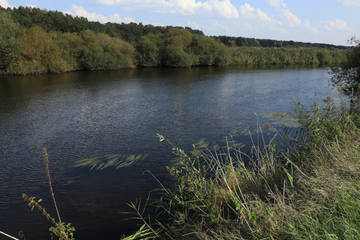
148, 50
9, 42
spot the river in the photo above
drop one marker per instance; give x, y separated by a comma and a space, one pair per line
81, 115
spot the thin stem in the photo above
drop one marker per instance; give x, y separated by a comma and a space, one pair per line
49, 180
9, 235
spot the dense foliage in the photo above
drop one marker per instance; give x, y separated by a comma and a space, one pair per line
252, 42
348, 75
60, 22
9, 43
131, 32
180, 48
33, 50
276, 55
36, 41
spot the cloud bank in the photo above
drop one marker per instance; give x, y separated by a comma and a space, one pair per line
251, 13
336, 25
5, 4
276, 3
292, 20
80, 11
350, 2
184, 7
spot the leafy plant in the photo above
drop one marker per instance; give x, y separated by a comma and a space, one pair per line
62, 230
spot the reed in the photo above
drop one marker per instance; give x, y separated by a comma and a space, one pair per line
61, 229
309, 191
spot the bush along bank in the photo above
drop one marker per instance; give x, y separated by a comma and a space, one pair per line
32, 50
310, 190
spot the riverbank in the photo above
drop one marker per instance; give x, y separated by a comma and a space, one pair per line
308, 190
89, 114
33, 50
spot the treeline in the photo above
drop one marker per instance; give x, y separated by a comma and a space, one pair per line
180, 48
132, 32
60, 22
33, 50
276, 55
252, 42
36, 41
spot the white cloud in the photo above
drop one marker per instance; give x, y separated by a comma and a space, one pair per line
336, 25
217, 25
222, 8
350, 2
193, 24
276, 3
292, 20
277, 29
116, 18
313, 29
199, 26
247, 27
5, 4
30, 6
154, 24
251, 13
80, 11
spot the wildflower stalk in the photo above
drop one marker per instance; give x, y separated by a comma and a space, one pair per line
49, 180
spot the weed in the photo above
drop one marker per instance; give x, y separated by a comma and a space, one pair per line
62, 230
313, 194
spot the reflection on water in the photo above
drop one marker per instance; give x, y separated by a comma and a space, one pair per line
82, 115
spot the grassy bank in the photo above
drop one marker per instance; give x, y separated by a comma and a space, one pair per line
308, 190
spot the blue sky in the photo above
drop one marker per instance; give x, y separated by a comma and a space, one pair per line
320, 21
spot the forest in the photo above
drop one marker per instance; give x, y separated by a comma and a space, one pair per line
34, 41
252, 42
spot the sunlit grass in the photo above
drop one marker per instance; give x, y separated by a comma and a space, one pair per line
311, 190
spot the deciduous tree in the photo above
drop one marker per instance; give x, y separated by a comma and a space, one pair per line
9, 42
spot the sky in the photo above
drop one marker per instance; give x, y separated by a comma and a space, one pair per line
316, 21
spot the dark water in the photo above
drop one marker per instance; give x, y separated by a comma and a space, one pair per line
94, 114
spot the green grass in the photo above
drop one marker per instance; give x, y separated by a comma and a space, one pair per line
309, 191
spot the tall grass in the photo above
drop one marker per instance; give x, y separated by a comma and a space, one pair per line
311, 191
64, 231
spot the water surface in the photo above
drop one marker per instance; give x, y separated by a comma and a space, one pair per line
93, 114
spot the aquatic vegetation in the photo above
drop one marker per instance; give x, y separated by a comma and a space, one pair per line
282, 119
310, 192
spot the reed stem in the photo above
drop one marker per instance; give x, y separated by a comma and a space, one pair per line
49, 180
